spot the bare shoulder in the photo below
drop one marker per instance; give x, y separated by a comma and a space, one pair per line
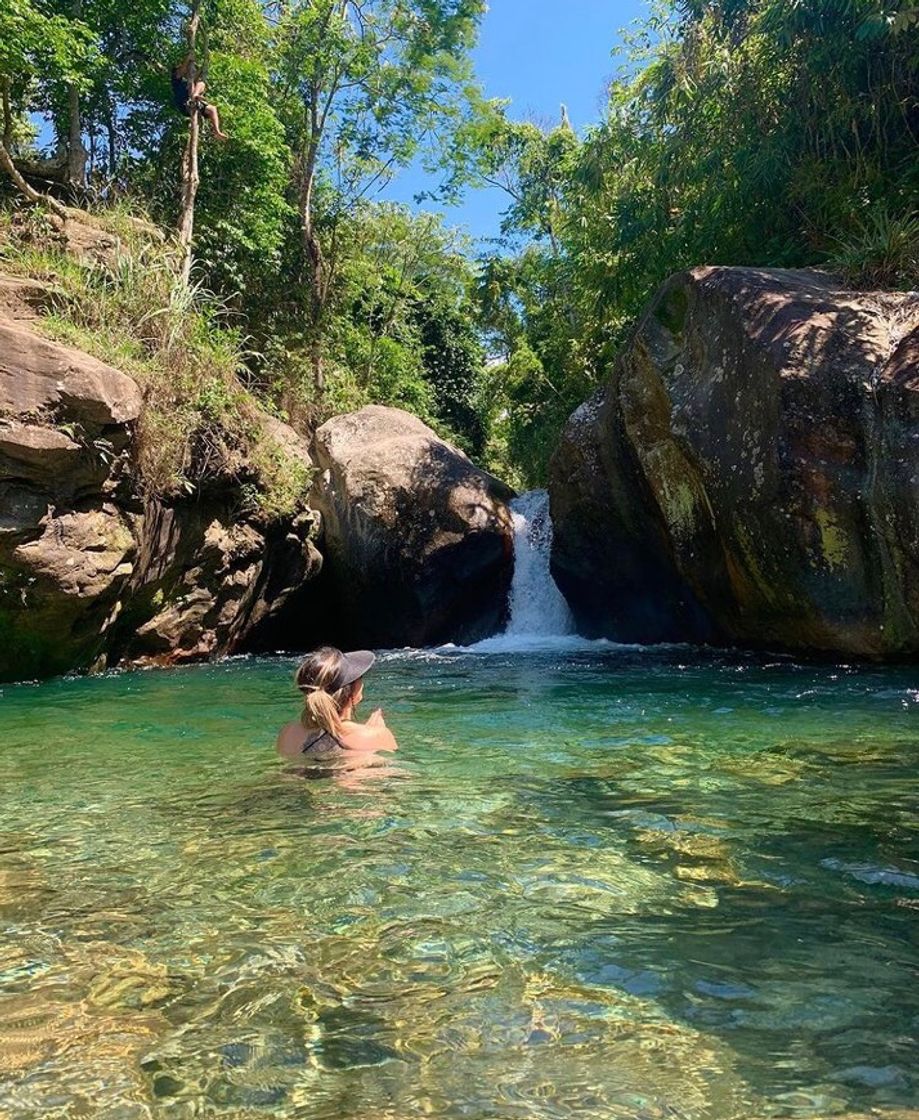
291, 738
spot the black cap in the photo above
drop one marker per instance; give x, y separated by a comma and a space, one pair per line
353, 666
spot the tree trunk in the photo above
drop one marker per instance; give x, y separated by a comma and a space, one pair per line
312, 249
190, 158
317, 303
112, 133
190, 180
76, 152
7, 113
316, 360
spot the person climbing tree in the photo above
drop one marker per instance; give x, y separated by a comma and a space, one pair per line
188, 92
188, 95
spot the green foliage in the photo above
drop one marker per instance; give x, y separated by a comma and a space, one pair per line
243, 213
532, 165
453, 365
881, 252
762, 132
363, 88
34, 42
198, 421
401, 326
361, 85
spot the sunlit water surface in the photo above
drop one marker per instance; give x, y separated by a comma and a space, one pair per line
605, 883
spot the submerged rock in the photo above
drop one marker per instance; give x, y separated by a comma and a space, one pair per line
417, 540
751, 473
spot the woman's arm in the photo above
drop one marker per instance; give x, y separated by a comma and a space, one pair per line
375, 719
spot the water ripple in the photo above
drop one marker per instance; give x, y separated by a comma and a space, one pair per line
603, 882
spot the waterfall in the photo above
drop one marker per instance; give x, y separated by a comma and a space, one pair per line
537, 607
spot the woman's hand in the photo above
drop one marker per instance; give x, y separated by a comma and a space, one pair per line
368, 737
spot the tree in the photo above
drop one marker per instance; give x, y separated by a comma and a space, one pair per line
364, 86
33, 42
399, 324
140, 144
532, 164
190, 177
758, 132
76, 152
124, 110
453, 360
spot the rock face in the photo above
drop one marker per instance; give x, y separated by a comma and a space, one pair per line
417, 541
206, 583
38, 377
91, 572
751, 473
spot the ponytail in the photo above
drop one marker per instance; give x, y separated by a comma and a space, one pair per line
321, 710
319, 673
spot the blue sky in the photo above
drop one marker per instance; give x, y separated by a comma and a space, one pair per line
538, 53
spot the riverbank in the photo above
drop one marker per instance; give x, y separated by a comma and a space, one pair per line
746, 478
155, 511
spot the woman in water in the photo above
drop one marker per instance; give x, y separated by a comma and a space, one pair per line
326, 735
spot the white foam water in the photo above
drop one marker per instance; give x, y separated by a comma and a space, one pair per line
537, 607
538, 616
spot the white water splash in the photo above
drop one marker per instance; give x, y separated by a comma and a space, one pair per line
537, 607
539, 618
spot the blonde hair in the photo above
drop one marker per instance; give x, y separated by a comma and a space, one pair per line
322, 702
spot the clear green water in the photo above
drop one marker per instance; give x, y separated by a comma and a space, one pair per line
606, 883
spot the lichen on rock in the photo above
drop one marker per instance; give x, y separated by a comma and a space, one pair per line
751, 472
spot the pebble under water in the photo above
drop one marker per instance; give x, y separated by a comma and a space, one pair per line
596, 882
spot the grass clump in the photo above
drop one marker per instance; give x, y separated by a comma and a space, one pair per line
881, 252
200, 424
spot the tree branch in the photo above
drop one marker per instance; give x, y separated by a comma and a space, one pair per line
6, 162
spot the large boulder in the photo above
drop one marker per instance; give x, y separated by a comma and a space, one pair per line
92, 572
417, 540
66, 547
42, 378
60, 587
207, 583
751, 472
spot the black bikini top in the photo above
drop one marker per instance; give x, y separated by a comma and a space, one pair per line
322, 745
